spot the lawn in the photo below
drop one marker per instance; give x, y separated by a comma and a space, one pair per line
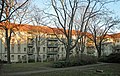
21, 67
108, 70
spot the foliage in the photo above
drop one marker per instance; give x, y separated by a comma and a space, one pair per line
90, 52
112, 58
2, 61
61, 64
76, 61
31, 60
0, 65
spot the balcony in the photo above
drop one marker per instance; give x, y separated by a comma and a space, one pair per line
52, 52
52, 39
30, 44
52, 43
55, 45
30, 52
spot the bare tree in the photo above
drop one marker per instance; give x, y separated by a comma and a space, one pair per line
8, 7
39, 20
65, 11
99, 27
75, 16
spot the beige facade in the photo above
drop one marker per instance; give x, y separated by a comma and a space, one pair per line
26, 50
44, 46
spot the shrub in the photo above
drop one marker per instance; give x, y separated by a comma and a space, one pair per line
0, 61
61, 64
31, 60
76, 61
88, 59
102, 59
3, 61
112, 58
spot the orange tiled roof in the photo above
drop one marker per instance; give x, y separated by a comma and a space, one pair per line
116, 35
26, 27
45, 29
108, 36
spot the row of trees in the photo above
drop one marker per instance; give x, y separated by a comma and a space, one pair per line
82, 16
78, 15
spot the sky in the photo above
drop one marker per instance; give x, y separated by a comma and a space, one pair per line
115, 7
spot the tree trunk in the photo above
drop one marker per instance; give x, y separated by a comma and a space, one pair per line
99, 51
67, 54
8, 51
36, 40
99, 54
8, 46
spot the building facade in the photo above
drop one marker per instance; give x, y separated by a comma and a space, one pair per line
39, 43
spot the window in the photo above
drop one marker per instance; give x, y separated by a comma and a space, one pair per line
19, 59
25, 57
19, 48
62, 49
33, 50
12, 48
38, 42
5, 49
12, 57
117, 40
43, 49
38, 49
24, 49
43, 56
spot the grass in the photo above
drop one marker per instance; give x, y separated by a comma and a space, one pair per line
109, 70
21, 67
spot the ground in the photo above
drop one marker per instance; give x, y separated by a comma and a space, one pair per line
43, 69
22, 67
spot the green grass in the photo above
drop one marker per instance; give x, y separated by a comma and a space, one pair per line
109, 70
21, 67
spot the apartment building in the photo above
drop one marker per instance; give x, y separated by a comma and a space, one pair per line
39, 43
31, 43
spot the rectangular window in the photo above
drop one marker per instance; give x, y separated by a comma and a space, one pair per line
38, 49
18, 48
19, 58
24, 49
5, 49
62, 49
12, 57
44, 49
43, 56
12, 48
33, 50
38, 43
